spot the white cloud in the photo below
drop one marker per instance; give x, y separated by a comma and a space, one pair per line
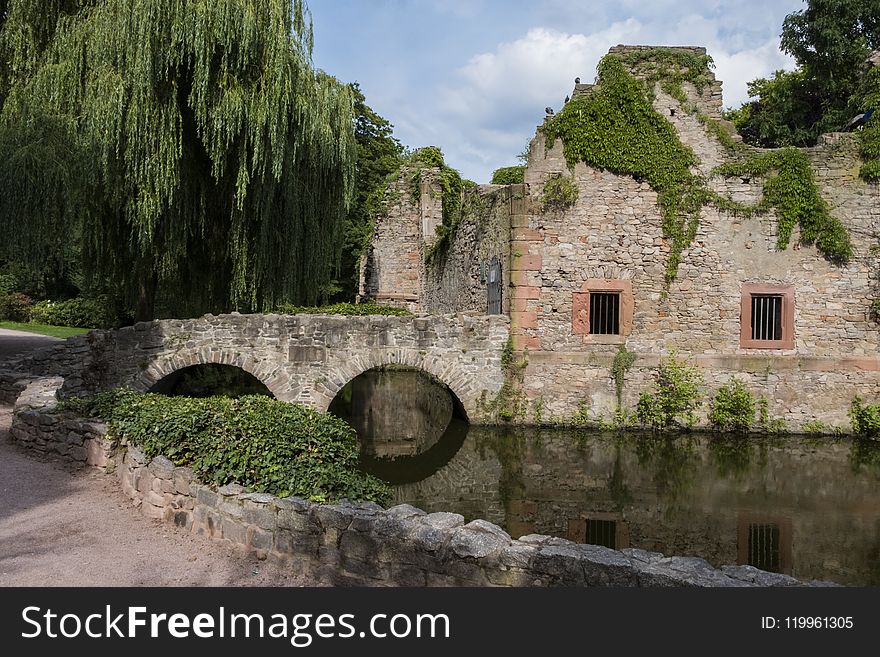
739, 68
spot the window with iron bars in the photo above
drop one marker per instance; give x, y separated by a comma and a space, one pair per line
766, 317
604, 313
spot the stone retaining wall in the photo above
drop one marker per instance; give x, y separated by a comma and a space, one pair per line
356, 544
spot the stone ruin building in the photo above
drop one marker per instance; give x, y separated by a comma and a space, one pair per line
579, 282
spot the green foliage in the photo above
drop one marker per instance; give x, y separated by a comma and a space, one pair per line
559, 193
623, 361
676, 397
78, 312
43, 329
868, 95
508, 175
670, 67
616, 128
452, 189
792, 192
263, 444
865, 418
190, 148
510, 402
538, 410
379, 157
771, 425
733, 408
343, 309
830, 41
581, 417
16, 307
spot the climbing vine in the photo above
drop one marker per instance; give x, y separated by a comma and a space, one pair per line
452, 187
616, 128
623, 361
559, 193
792, 192
670, 67
510, 402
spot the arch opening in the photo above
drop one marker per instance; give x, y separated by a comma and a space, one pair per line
401, 413
210, 380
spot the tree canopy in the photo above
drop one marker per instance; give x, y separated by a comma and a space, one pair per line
379, 156
830, 41
190, 148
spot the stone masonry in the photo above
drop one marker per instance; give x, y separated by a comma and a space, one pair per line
611, 240
306, 359
359, 544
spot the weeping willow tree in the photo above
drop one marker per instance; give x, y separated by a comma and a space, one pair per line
191, 148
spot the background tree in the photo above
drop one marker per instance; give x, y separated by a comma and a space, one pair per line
379, 156
830, 40
190, 148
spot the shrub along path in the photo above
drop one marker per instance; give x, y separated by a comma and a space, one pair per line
64, 526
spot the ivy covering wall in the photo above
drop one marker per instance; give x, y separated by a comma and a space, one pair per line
616, 128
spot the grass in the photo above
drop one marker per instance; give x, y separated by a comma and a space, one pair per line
44, 329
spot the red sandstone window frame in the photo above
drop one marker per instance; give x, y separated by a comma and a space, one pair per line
580, 309
750, 290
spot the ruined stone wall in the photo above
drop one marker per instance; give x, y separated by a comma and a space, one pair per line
391, 270
457, 280
613, 233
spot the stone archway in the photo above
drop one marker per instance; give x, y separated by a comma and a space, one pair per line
275, 378
464, 393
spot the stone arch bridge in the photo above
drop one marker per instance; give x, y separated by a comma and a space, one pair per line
306, 359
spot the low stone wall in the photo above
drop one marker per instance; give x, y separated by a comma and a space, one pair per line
356, 544
12, 384
37, 425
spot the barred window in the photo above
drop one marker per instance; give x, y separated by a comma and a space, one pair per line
604, 313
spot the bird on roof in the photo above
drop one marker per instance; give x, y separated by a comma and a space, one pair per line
567, 99
549, 111
858, 120
577, 80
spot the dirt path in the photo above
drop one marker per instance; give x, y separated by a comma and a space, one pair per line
67, 526
17, 342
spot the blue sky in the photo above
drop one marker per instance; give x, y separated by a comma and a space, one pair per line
474, 76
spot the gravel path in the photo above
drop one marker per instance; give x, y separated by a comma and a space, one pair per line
66, 526
16, 342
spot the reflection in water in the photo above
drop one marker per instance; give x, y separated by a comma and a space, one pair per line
395, 411
806, 507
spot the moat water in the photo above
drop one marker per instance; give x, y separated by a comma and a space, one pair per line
808, 507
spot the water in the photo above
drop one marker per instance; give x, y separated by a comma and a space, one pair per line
807, 507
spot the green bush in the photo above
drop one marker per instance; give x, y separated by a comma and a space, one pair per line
344, 309
15, 307
733, 408
676, 398
559, 193
80, 312
865, 418
508, 175
263, 444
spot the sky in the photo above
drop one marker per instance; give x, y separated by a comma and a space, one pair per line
474, 76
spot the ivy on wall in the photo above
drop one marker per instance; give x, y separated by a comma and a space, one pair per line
452, 187
791, 190
616, 128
